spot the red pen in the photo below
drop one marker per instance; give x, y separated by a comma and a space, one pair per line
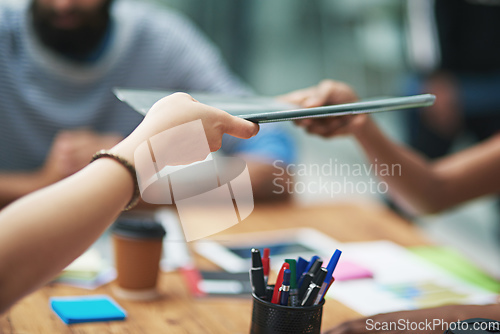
266, 263
319, 298
279, 282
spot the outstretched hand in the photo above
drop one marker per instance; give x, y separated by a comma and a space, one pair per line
180, 108
327, 92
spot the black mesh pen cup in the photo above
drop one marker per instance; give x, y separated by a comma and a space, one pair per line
268, 318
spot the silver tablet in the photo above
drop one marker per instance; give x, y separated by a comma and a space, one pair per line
269, 109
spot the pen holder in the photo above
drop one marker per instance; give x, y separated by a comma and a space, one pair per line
268, 318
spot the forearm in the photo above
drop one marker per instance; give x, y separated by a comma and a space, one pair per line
265, 185
43, 232
16, 185
411, 179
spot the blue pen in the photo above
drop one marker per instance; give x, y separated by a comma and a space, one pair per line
330, 267
285, 287
301, 267
301, 279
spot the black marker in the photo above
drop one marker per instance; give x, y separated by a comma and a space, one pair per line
257, 275
314, 287
308, 277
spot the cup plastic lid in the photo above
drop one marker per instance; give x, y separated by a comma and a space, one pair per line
137, 228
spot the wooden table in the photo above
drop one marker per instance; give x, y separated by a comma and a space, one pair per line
178, 312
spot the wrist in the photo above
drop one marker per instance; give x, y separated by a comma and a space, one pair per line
362, 126
125, 149
107, 154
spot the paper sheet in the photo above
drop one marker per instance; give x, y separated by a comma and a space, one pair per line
402, 281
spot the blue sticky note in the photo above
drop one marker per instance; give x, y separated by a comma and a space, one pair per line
73, 310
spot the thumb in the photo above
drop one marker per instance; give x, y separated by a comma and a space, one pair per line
240, 128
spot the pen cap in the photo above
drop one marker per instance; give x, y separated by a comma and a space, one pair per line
301, 267
266, 261
319, 278
308, 278
316, 266
310, 264
265, 265
332, 264
256, 259
286, 276
279, 282
293, 269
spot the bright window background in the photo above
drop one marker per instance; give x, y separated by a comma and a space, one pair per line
280, 45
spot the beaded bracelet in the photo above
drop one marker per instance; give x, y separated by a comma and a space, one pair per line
107, 154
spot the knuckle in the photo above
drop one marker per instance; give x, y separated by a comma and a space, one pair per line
181, 96
327, 83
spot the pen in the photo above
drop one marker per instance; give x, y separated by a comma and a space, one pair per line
293, 282
257, 275
269, 292
301, 267
293, 271
306, 270
308, 277
314, 287
330, 267
319, 298
285, 287
266, 263
279, 281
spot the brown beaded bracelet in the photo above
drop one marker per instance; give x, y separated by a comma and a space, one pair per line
108, 154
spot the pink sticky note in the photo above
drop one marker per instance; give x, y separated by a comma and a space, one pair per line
349, 270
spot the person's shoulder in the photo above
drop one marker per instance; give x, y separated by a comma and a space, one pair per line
11, 11
11, 16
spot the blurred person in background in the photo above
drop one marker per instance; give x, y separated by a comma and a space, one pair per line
455, 50
60, 60
423, 186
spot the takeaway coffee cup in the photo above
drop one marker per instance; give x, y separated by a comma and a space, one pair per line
137, 246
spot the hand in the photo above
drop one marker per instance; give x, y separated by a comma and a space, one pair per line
72, 150
445, 116
448, 314
327, 92
180, 108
